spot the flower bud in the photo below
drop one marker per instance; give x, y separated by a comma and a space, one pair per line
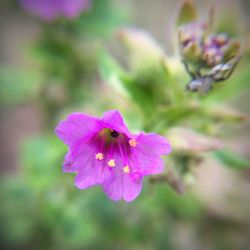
190, 40
213, 49
196, 46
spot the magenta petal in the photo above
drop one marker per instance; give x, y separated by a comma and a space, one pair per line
90, 175
67, 164
113, 186
131, 187
146, 163
113, 120
153, 143
94, 173
84, 179
120, 185
79, 157
145, 156
77, 127
91, 171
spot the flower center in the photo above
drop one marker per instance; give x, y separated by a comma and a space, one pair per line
114, 133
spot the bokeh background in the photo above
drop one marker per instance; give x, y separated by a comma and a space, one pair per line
49, 69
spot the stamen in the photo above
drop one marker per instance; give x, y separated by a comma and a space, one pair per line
126, 169
99, 156
132, 143
111, 163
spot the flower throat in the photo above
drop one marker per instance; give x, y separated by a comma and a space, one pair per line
114, 133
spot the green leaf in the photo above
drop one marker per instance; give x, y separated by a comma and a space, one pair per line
187, 13
18, 86
232, 159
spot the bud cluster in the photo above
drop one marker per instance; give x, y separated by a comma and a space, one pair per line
198, 45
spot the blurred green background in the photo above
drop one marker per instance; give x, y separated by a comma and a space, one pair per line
49, 69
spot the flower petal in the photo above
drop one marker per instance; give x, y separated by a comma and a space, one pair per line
153, 143
113, 185
146, 163
122, 185
77, 126
90, 175
131, 187
91, 171
145, 156
67, 164
78, 157
112, 119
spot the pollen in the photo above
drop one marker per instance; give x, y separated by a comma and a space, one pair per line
99, 156
111, 163
126, 169
132, 143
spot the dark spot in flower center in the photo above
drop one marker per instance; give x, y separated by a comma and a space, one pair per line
114, 133
186, 42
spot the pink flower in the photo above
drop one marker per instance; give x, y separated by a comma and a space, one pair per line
103, 152
52, 9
